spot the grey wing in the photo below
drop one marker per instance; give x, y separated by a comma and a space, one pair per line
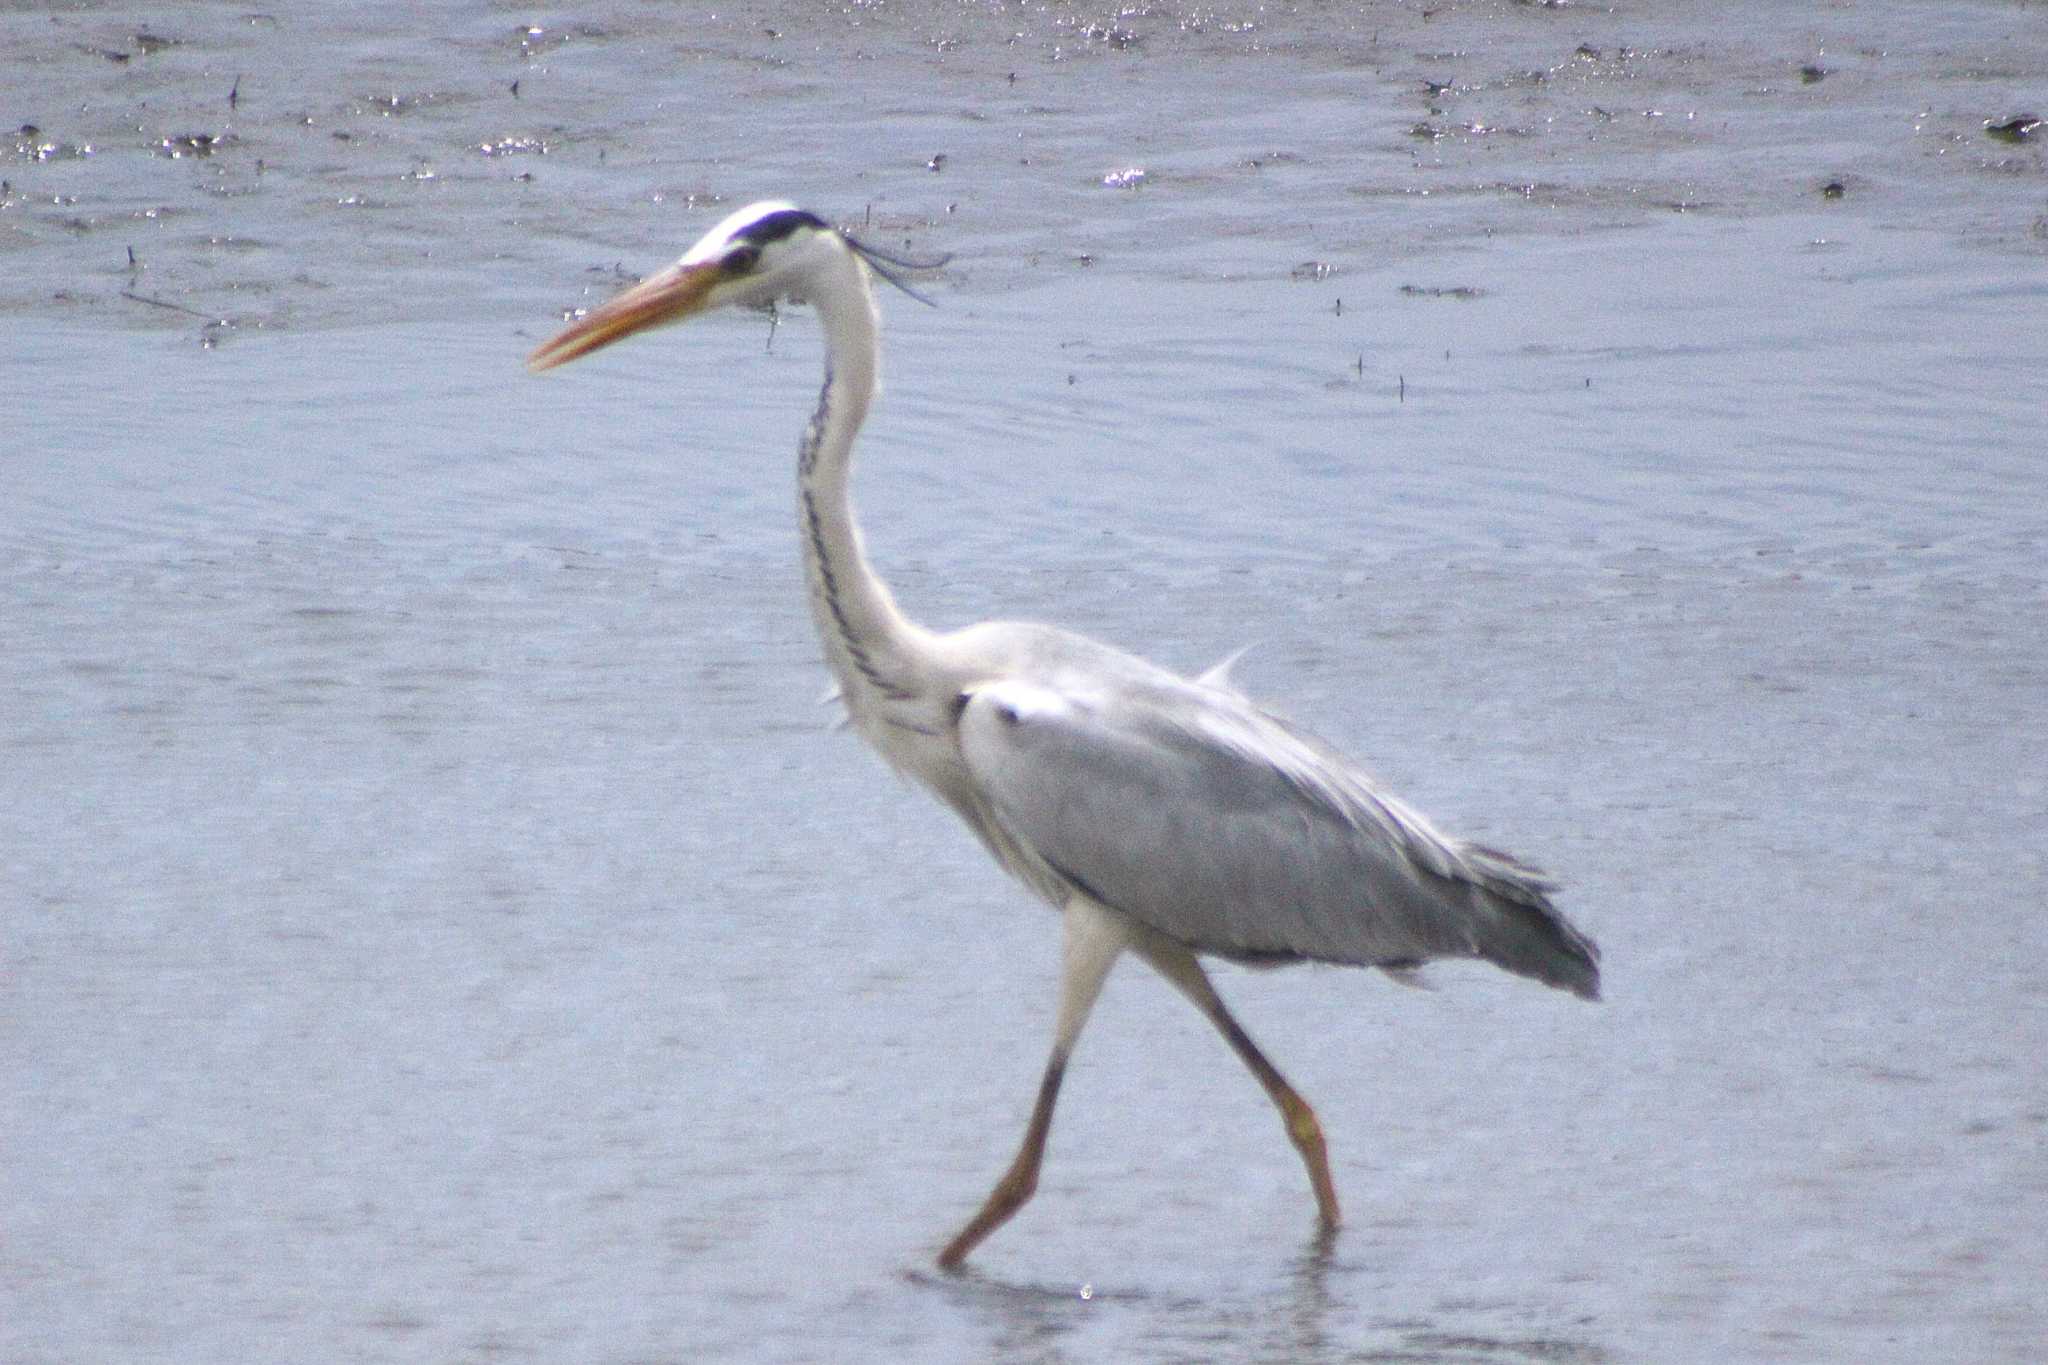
1213, 822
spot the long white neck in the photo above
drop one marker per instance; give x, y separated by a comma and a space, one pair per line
869, 644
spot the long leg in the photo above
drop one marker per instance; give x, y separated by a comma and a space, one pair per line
1093, 939
1180, 966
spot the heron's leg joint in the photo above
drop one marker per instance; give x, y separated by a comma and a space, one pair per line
1302, 1125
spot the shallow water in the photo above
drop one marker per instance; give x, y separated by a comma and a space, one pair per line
439, 926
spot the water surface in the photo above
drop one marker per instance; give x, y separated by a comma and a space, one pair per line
438, 925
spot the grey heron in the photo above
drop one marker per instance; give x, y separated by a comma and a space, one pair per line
1160, 814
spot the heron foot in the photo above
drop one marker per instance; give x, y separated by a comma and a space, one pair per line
1306, 1133
1011, 1193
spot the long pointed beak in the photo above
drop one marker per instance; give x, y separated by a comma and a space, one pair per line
666, 296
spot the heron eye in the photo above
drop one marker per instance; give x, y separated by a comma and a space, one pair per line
742, 259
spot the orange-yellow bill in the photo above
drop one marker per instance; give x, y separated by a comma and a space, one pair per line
667, 296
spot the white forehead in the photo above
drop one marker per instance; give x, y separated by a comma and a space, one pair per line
713, 242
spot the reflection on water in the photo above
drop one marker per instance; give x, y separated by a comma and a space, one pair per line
1307, 1314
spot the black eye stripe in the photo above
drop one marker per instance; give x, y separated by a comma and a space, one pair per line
773, 227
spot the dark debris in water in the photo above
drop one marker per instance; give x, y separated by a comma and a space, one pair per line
213, 329
1457, 291
1812, 75
167, 304
1450, 1346
2018, 129
150, 44
1834, 189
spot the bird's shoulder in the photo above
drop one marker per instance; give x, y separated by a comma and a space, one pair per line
1052, 657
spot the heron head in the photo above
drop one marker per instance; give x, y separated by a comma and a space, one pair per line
755, 257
